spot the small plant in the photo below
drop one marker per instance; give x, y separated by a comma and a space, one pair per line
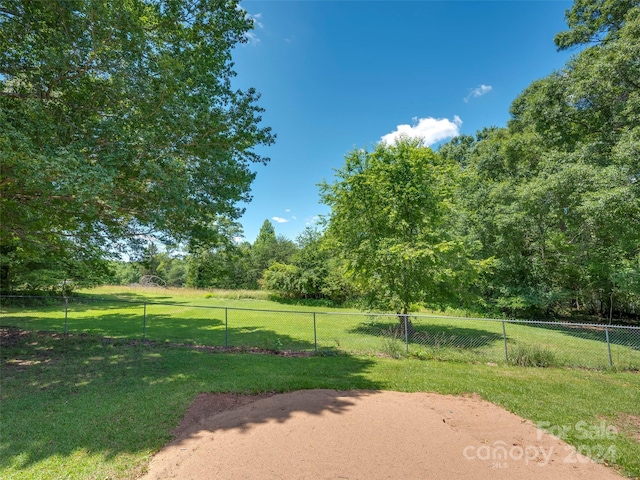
422, 355
278, 345
532, 356
392, 345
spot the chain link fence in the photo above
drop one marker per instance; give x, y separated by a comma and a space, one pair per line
519, 342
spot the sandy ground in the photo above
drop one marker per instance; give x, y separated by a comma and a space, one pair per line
327, 434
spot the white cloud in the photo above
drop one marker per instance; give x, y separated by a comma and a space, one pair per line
313, 220
430, 130
256, 19
279, 219
252, 38
287, 210
479, 91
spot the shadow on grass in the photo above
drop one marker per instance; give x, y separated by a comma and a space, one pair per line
622, 336
207, 330
213, 331
436, 336
128, 325
122, 296
83, 303
96, 407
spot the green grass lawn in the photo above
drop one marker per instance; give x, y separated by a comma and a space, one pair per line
86, 407
250, 319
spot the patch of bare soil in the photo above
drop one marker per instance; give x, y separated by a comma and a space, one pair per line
630, 424
328, 434
10, 336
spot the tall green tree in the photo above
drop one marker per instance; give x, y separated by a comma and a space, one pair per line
269, 248
555, 196
211, 268
392, 220
119, 120
217, 267
150, 260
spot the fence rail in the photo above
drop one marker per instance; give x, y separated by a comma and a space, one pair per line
521, 342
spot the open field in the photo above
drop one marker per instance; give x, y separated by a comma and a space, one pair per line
85, 407
249, 320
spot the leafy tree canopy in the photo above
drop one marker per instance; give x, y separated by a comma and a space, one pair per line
555, 196
118, 119
594, 21
392, 220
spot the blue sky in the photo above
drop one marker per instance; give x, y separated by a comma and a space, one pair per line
339, 75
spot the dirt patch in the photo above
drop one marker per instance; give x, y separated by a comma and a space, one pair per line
629, 425
316, 434
10, 336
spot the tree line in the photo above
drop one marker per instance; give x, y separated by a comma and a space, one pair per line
300, 269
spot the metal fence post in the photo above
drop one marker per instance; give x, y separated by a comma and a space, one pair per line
606, 331
144, 322
406, 334
315, 333
226, 327
504, 336
66, 315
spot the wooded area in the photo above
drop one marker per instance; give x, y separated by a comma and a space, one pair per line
537, 218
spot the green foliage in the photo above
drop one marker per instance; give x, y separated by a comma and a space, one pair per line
555, 196
284, 279
212, 269
393, 344
119, 121
269, 249
172, 270
50, 271
392, 221
150, 260
593, 21
238, 265
312, 274
266, 236
169, 267
124, 273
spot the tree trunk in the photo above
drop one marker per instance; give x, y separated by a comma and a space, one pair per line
405, 322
